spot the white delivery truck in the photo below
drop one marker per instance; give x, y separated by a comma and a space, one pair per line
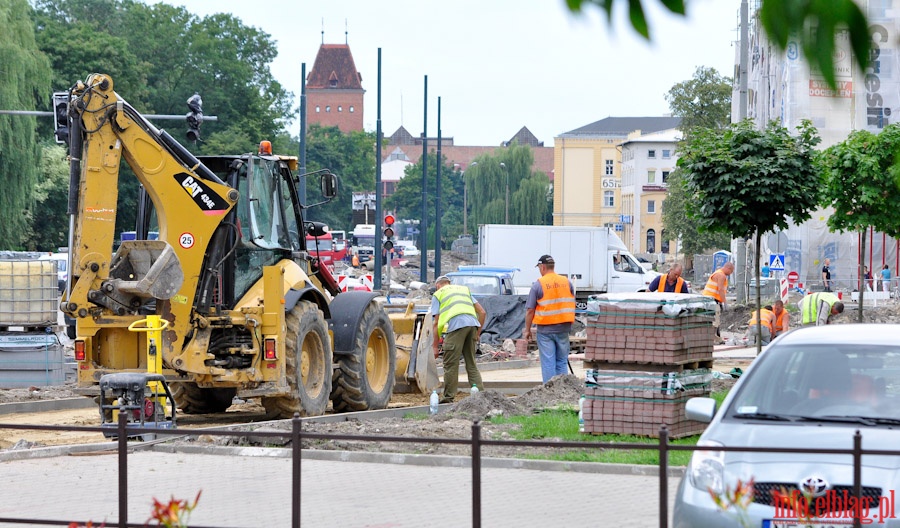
594, 258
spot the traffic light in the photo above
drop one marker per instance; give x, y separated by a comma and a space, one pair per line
388, 232
61, 117
194, 117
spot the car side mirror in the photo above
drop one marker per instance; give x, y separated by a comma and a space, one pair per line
700, 409
329, 185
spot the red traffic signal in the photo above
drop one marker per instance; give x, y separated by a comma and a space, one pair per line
388, 231
389, 219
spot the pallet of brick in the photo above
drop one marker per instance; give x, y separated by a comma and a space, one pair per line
640, 402
650, 328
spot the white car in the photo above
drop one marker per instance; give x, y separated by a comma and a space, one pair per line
62, 272
409, 250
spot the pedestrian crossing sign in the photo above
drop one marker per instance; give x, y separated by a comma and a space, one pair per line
776, 262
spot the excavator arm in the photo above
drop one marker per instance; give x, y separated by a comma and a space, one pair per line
112, 288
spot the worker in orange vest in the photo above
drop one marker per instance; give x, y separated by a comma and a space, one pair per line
782, 319
551, 306
767, 316
716, 287
670, 282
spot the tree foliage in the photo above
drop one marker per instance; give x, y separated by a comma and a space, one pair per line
861, 184
812, 22
406, 202
679, 225
24, 83
703, 101
49, 223
487, 180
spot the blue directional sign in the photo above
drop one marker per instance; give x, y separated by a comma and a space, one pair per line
776, 262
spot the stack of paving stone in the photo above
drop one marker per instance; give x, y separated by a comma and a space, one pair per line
646, 355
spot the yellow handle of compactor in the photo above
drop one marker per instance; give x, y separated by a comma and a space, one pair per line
154, 325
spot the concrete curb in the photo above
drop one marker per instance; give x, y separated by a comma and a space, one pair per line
47, 405
424, 460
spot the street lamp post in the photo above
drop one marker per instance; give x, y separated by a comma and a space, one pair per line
466, 199
503, 166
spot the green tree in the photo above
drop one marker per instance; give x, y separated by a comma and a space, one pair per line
406, 201
24, 83
813, 22
747, 182
487, 181
683, 227
49, 228
703, 101
861, 184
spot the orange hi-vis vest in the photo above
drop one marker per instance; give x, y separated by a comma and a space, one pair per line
557, 304
767, 316
679, 282
712, 289
780, 321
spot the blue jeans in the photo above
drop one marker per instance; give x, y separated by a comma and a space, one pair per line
554, 352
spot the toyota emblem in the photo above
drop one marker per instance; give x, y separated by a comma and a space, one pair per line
813, 486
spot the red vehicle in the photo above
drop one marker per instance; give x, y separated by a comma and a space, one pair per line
323, 247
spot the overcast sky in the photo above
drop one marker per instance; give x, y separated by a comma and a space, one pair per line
497, 65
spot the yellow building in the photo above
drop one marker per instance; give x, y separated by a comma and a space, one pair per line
587, 185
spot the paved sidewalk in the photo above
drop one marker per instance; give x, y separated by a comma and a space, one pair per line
254, 491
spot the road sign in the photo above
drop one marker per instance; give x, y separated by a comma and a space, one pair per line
776, 262
793, 276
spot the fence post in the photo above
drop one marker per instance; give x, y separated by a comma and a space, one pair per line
663, 477
295, 463
476, 474
123, 469
857, 476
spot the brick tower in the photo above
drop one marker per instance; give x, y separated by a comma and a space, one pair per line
334, 89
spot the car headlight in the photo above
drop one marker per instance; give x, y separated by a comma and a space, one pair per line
707, 469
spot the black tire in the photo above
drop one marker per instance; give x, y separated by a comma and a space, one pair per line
364, 380
192, 399
308, 362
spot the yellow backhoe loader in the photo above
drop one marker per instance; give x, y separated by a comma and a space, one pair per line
247, 311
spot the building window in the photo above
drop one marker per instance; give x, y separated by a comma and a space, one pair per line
609, 199
651, 153
609, 167
667, 153
651, 241
651, 206
665, 176
664, 243
340, 108
651, 176
351, 109
328, 108
318, 109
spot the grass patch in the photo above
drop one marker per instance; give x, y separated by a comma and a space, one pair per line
563, 424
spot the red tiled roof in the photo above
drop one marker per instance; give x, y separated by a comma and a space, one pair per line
464, 155
334, 69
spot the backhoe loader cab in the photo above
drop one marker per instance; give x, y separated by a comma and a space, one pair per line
247, 311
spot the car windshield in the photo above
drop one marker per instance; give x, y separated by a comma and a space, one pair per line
822, 381
478, 284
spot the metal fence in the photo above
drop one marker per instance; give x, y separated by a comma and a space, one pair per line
297, 435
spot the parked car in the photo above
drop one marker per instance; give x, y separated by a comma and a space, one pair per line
811, 388
409, 249
485, 280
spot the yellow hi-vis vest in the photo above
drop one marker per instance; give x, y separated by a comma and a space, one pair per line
455, 300
809, 306
768, 319
557, 305
712, 289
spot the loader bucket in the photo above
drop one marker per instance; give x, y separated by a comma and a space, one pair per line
148, 269
416, 369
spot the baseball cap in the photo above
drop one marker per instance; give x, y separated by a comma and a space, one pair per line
442, 278
546, 259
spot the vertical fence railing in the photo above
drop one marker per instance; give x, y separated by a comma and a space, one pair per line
296, 435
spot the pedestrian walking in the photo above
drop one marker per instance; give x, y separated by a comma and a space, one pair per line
551, 306
818, 308
867, 275
826, 275
886, 278
716, 287
459, 317
765, 272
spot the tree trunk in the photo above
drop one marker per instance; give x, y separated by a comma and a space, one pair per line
862, 280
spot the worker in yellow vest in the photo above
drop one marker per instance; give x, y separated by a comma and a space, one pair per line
767, 328
551, 306
816, 309
716, 287
456, 313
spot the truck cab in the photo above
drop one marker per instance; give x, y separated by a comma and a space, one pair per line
322, 247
